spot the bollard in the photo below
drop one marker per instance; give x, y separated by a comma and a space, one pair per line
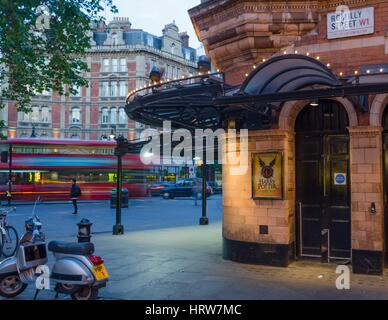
84, 232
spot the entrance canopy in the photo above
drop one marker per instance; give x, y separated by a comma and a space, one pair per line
206, 101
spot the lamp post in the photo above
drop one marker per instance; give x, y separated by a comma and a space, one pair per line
120, 151
33, 134
204, 221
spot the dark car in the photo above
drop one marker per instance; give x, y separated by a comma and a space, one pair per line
156, 189
184, 188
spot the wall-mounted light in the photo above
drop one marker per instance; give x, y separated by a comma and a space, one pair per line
314, 103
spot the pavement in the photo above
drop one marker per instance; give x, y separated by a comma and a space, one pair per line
166, 255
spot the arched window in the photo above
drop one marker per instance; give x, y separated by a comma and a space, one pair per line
123, 88
122, 116
114, 39
113, 116
24, 116
45, 114
35, 114
114, 89
75, 115
104, 116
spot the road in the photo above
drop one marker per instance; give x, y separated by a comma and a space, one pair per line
144, 214
165, 254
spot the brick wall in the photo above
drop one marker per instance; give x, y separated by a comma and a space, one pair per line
243, 216
366, 187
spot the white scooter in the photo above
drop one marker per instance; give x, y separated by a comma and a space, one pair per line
76, 271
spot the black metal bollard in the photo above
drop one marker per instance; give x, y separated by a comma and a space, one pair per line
84, 231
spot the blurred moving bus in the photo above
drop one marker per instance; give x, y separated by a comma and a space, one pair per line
45, 167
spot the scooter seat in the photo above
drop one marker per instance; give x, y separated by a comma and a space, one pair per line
83, 249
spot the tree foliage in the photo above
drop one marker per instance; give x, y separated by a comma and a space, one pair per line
42, 46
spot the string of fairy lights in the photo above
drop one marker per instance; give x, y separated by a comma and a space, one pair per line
254, 66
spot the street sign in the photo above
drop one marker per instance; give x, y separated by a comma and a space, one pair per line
340, 179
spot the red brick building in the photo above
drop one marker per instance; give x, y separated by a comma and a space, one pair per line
119, 60
335, 159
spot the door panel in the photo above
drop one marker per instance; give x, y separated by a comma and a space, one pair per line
324, 203
309, 182
338, 197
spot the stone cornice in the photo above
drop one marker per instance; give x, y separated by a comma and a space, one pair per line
140, 49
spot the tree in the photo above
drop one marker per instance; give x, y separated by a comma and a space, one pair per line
42, 45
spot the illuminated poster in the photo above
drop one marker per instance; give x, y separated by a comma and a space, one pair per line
267, 175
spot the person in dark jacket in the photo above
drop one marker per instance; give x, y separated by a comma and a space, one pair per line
75, 192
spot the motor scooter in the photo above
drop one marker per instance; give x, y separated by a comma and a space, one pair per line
75, 272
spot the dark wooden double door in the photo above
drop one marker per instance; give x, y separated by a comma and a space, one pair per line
323, 196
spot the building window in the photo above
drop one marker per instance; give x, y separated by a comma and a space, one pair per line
113, 116
187, 55
75, 136
115, 65
150, 40
45, 114
172, 72
178, 72
35, 114
123, 65
114, 89
75, 116
24, 116
122, 116
105, 65
105, 116
173, 48
105, 89
114, 39
123, 89
167, 71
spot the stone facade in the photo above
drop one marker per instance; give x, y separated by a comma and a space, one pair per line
239, 35
119, 60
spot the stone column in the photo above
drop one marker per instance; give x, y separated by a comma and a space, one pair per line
243, 217
367, 191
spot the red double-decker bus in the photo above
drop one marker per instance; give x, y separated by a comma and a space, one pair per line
45, 167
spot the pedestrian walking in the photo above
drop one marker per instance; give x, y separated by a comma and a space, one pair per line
75, 192
197, 188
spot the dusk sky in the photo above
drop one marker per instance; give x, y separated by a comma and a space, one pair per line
152, 16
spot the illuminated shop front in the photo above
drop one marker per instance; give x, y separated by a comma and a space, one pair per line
313, 96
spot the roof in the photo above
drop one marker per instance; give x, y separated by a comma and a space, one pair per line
207, 101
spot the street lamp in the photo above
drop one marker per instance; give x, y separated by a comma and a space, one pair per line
33, 134
120, 151
123, 147
204, 220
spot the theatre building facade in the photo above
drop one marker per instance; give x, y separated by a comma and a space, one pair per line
317, 186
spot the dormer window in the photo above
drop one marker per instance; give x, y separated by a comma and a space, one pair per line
150, 40
114, 39
173, 48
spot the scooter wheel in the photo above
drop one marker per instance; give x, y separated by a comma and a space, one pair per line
86, 293
11, 286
